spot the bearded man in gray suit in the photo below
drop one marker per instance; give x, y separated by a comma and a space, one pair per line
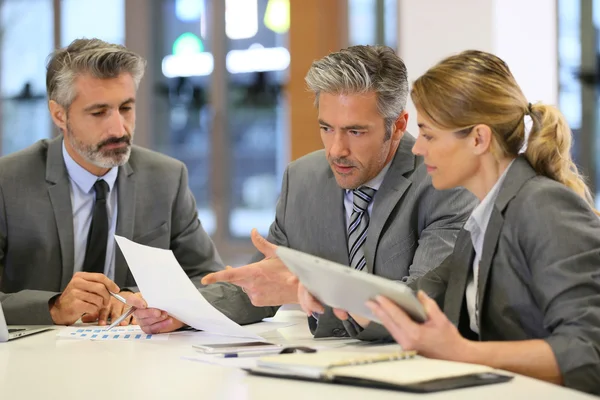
365, 200
63, 200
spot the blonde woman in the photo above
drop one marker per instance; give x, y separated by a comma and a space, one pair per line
521, 291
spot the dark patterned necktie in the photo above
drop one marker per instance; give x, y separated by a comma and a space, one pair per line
359, 224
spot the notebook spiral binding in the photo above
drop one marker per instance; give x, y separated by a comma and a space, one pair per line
369, 359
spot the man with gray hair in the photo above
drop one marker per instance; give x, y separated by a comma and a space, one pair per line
365, 200
63, 200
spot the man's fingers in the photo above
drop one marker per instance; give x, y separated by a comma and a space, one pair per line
99, 278
103, 315
226, 275
231, 275
88, 297
137, 302
395, 330
396, 313
83, 307
314, 304
431, 307
158, 326
94, 288
400, 325
89, 317
127, 320
116, 311
262, 244
292, 280
152, 313
308, 302
340, 314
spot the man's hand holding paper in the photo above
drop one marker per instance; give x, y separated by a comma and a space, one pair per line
152, 268
153, 320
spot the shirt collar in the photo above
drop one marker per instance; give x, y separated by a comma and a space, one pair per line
82, 177
376, 182
481, 214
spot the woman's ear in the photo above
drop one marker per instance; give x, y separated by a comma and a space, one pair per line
482, 139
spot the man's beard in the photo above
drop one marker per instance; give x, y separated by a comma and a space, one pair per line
99, 157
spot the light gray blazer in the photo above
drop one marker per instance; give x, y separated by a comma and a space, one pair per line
156, 208
539, 275
412, 226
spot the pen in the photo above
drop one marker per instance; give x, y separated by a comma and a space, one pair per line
121, 318
118, 297
250, 354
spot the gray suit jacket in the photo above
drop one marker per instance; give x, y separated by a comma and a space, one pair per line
155, 208
412, 226
538, 276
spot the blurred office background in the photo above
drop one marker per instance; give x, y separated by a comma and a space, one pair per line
224, 88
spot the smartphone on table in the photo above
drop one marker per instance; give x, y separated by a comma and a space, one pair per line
220, 348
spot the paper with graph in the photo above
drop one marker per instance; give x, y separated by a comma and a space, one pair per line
131, 332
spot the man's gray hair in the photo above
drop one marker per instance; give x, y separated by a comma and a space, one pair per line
362, 69
88, 56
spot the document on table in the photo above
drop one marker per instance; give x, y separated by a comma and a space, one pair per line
131, 332
165, 286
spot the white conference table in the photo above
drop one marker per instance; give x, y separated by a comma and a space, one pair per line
44, 366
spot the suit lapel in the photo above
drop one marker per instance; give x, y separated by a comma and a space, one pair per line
518, 174
126, 187
490, 242
57, 179
462, 255
392, 188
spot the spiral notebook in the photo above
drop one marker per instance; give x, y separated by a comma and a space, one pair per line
404, 371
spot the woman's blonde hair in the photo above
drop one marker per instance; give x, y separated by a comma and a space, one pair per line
475, 87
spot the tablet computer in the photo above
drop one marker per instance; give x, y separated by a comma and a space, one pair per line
340, 286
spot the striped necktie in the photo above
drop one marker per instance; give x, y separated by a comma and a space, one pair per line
357, 229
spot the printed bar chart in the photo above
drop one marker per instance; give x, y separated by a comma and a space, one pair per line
119, 333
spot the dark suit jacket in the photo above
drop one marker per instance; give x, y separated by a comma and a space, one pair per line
155, 208
539, 275
412, 226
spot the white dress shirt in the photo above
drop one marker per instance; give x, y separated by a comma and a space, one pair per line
477, 225
83, 197
374, 183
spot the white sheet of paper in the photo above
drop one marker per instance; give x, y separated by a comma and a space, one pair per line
165, 286
131, 332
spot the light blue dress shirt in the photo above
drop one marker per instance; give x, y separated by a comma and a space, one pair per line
83, 197
477, 225
374, 183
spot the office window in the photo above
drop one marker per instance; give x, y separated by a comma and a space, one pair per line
183, 116
250, 167
579, 77
25, 40
92, 19
373, 22
257, 66
569, 65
